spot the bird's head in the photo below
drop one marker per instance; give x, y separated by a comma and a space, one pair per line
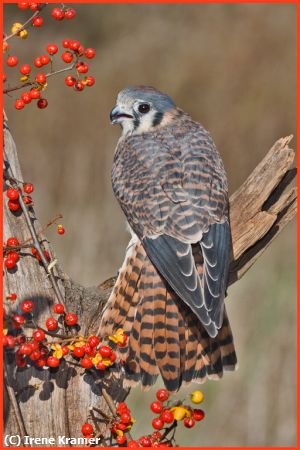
140, 109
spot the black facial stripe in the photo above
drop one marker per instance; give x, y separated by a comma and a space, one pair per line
157, 118
136, 122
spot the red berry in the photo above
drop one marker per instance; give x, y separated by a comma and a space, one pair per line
122, 407
65, 350
12, 297
101, 365
34, 345
34, 6
71, 319
86, 363
87, 428
74, 45
38, 62
70, 81
46, 254
23, 5
37, 21
93, 341
60, 229
10, 263
41, 78
12, 242
113, 356
51, 324
45, 59
26, 97
20, 339
198, 414
145, 441
58, 14
90, 53
27, 306
4, 341
162, 395
52, 49
36, 254
121, 439
66, 43
105, 351
80, 51
36, 354
42, 103
125, 418
12, 61
25, 69
90, 81
20, 361
13, 205
189, 422
34, 93
59, 308
157, 423
88, 349
78, 352
78, 86
52, 361
19, 104
70, 13
132, 444
41, 362
38, 335
12, 194
155, 435
28, 188
156, 407
10, 341
14, 255
25, 349
27, 200
167, 416
82, 67
18, 319
67, 57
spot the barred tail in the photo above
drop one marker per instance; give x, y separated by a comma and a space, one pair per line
165, 337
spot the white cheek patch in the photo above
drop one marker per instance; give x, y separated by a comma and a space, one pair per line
146, 122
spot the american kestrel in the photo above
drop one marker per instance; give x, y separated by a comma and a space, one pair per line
169, 295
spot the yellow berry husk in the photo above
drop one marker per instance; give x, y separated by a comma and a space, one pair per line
24, 78
179, 412
23, 34
16, 27
197, 397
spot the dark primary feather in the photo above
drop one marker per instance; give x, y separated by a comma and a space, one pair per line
175, 262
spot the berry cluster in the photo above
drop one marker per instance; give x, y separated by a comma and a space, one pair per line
89, 352
122, 423
169, 414
13, 195
72, 52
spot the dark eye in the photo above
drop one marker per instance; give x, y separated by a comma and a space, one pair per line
144, 108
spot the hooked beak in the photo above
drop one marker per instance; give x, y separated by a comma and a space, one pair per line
117, 115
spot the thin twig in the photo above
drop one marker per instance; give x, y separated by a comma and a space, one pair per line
38, 247
48, 75
26, 24
15, 405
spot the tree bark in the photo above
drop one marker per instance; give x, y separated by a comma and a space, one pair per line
43, 402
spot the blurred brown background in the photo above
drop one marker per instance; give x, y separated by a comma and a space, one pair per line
232, 67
